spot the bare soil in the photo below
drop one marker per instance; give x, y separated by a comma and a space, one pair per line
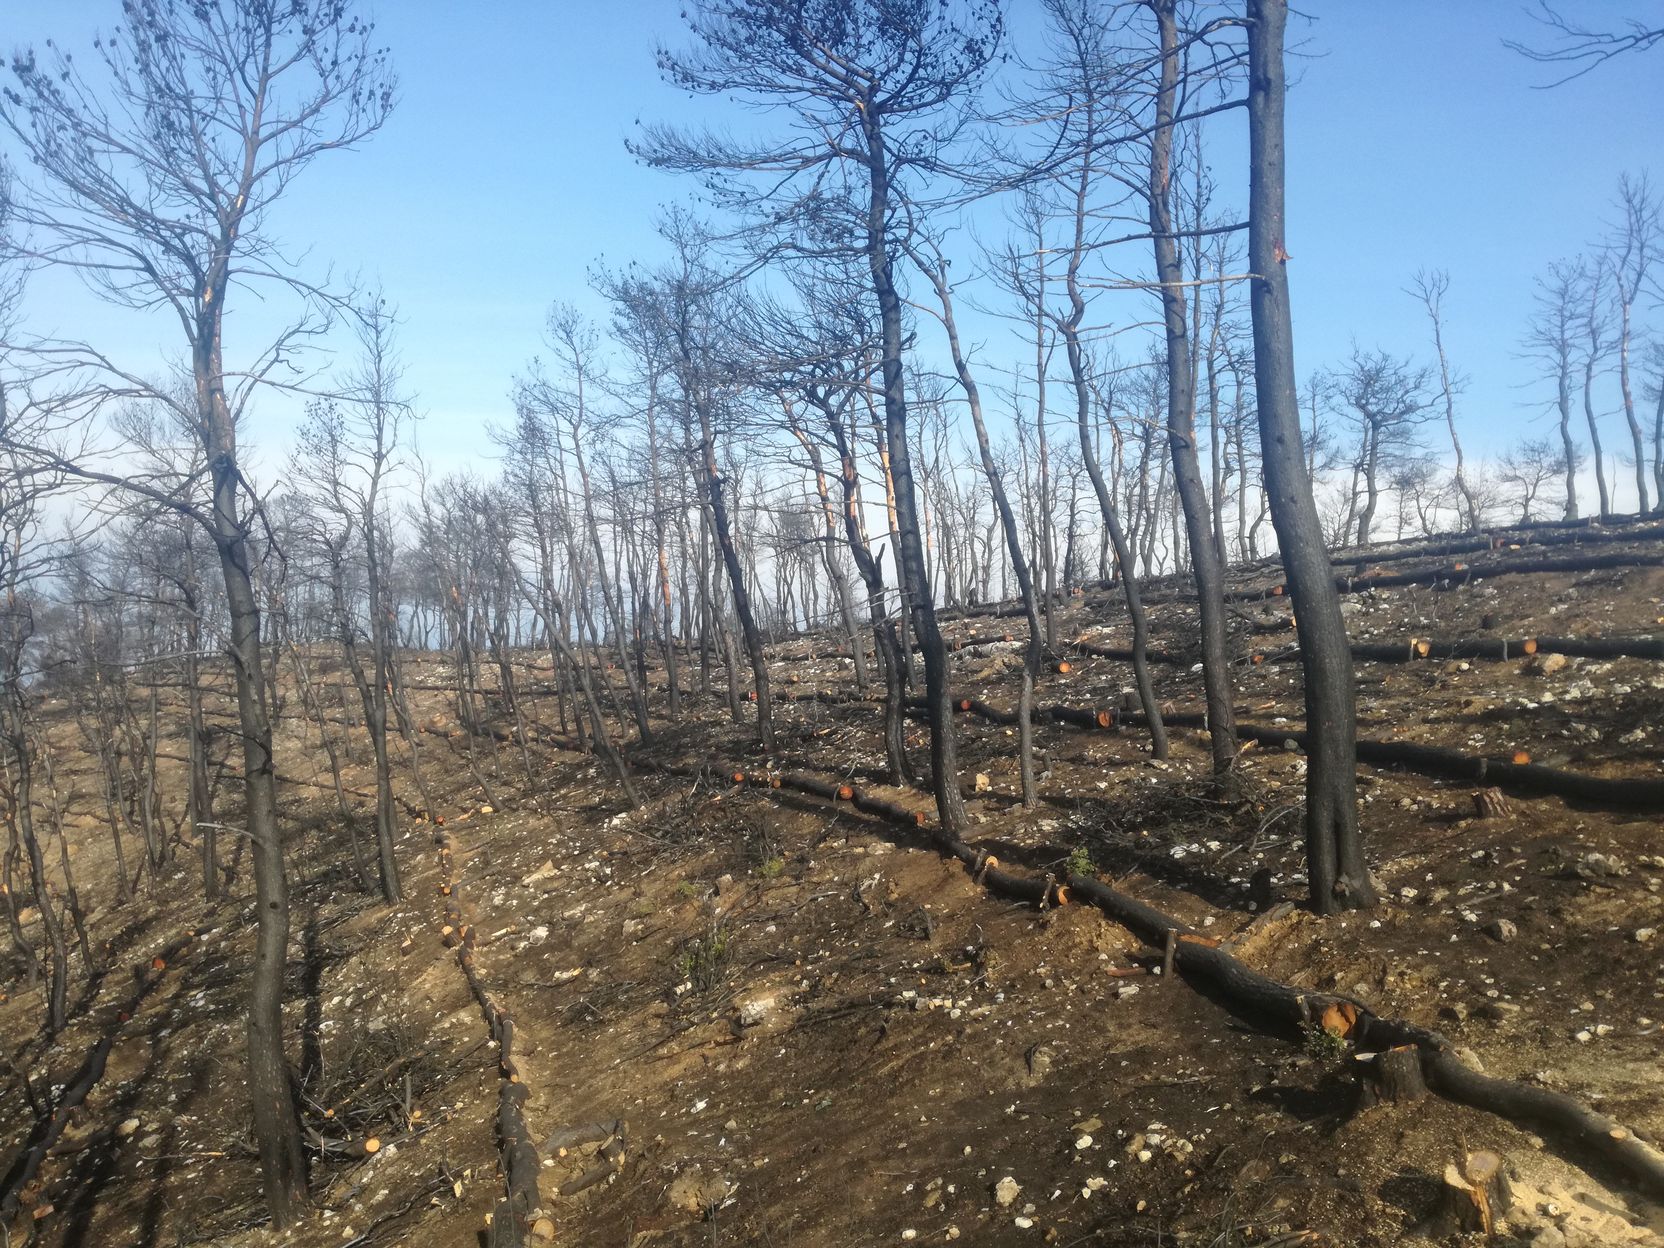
820, 1034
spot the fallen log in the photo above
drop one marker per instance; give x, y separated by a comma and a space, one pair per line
1480, 569
1204, 958
1124, 655
1415, 649
1199, 956
513, 1215
1588, 530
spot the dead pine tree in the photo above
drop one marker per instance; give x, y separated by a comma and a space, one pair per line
1082, 99
349, 449
24, 561
1551, 342
927, 257
831, 370
1338, 875
160, 181
1431, 287
1630, 255
879, 88
695, 306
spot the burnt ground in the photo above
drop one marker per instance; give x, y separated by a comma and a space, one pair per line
820, 1034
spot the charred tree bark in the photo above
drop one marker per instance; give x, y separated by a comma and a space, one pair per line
921, 608
1033, 652
1335, 864
717, 509
886, 642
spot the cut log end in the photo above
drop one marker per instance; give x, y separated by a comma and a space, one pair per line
1393, 1077
1340, 1019
1477, 1192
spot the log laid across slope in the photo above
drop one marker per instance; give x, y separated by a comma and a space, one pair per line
1199, 957
1464, 573
1641, 792
511, 1220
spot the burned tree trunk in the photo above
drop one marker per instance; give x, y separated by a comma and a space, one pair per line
950, 803
1334, 850
1076, 352
1033, 652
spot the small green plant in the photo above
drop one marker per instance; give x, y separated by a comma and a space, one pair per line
1080, 862
1324, 1046
771, 868
687, 890
702, 961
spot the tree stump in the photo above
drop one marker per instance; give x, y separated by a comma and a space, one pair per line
1477, 1194
1393, 1077
1492, 804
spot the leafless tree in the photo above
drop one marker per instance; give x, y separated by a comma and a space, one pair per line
1551, 341
1597, 341
877, 89
1336, 870
1430, 287
1528, 466
1630, 255
157, 188
1176, 292
351, 449
1387, 400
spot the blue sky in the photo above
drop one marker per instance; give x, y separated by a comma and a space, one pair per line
1415, 140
